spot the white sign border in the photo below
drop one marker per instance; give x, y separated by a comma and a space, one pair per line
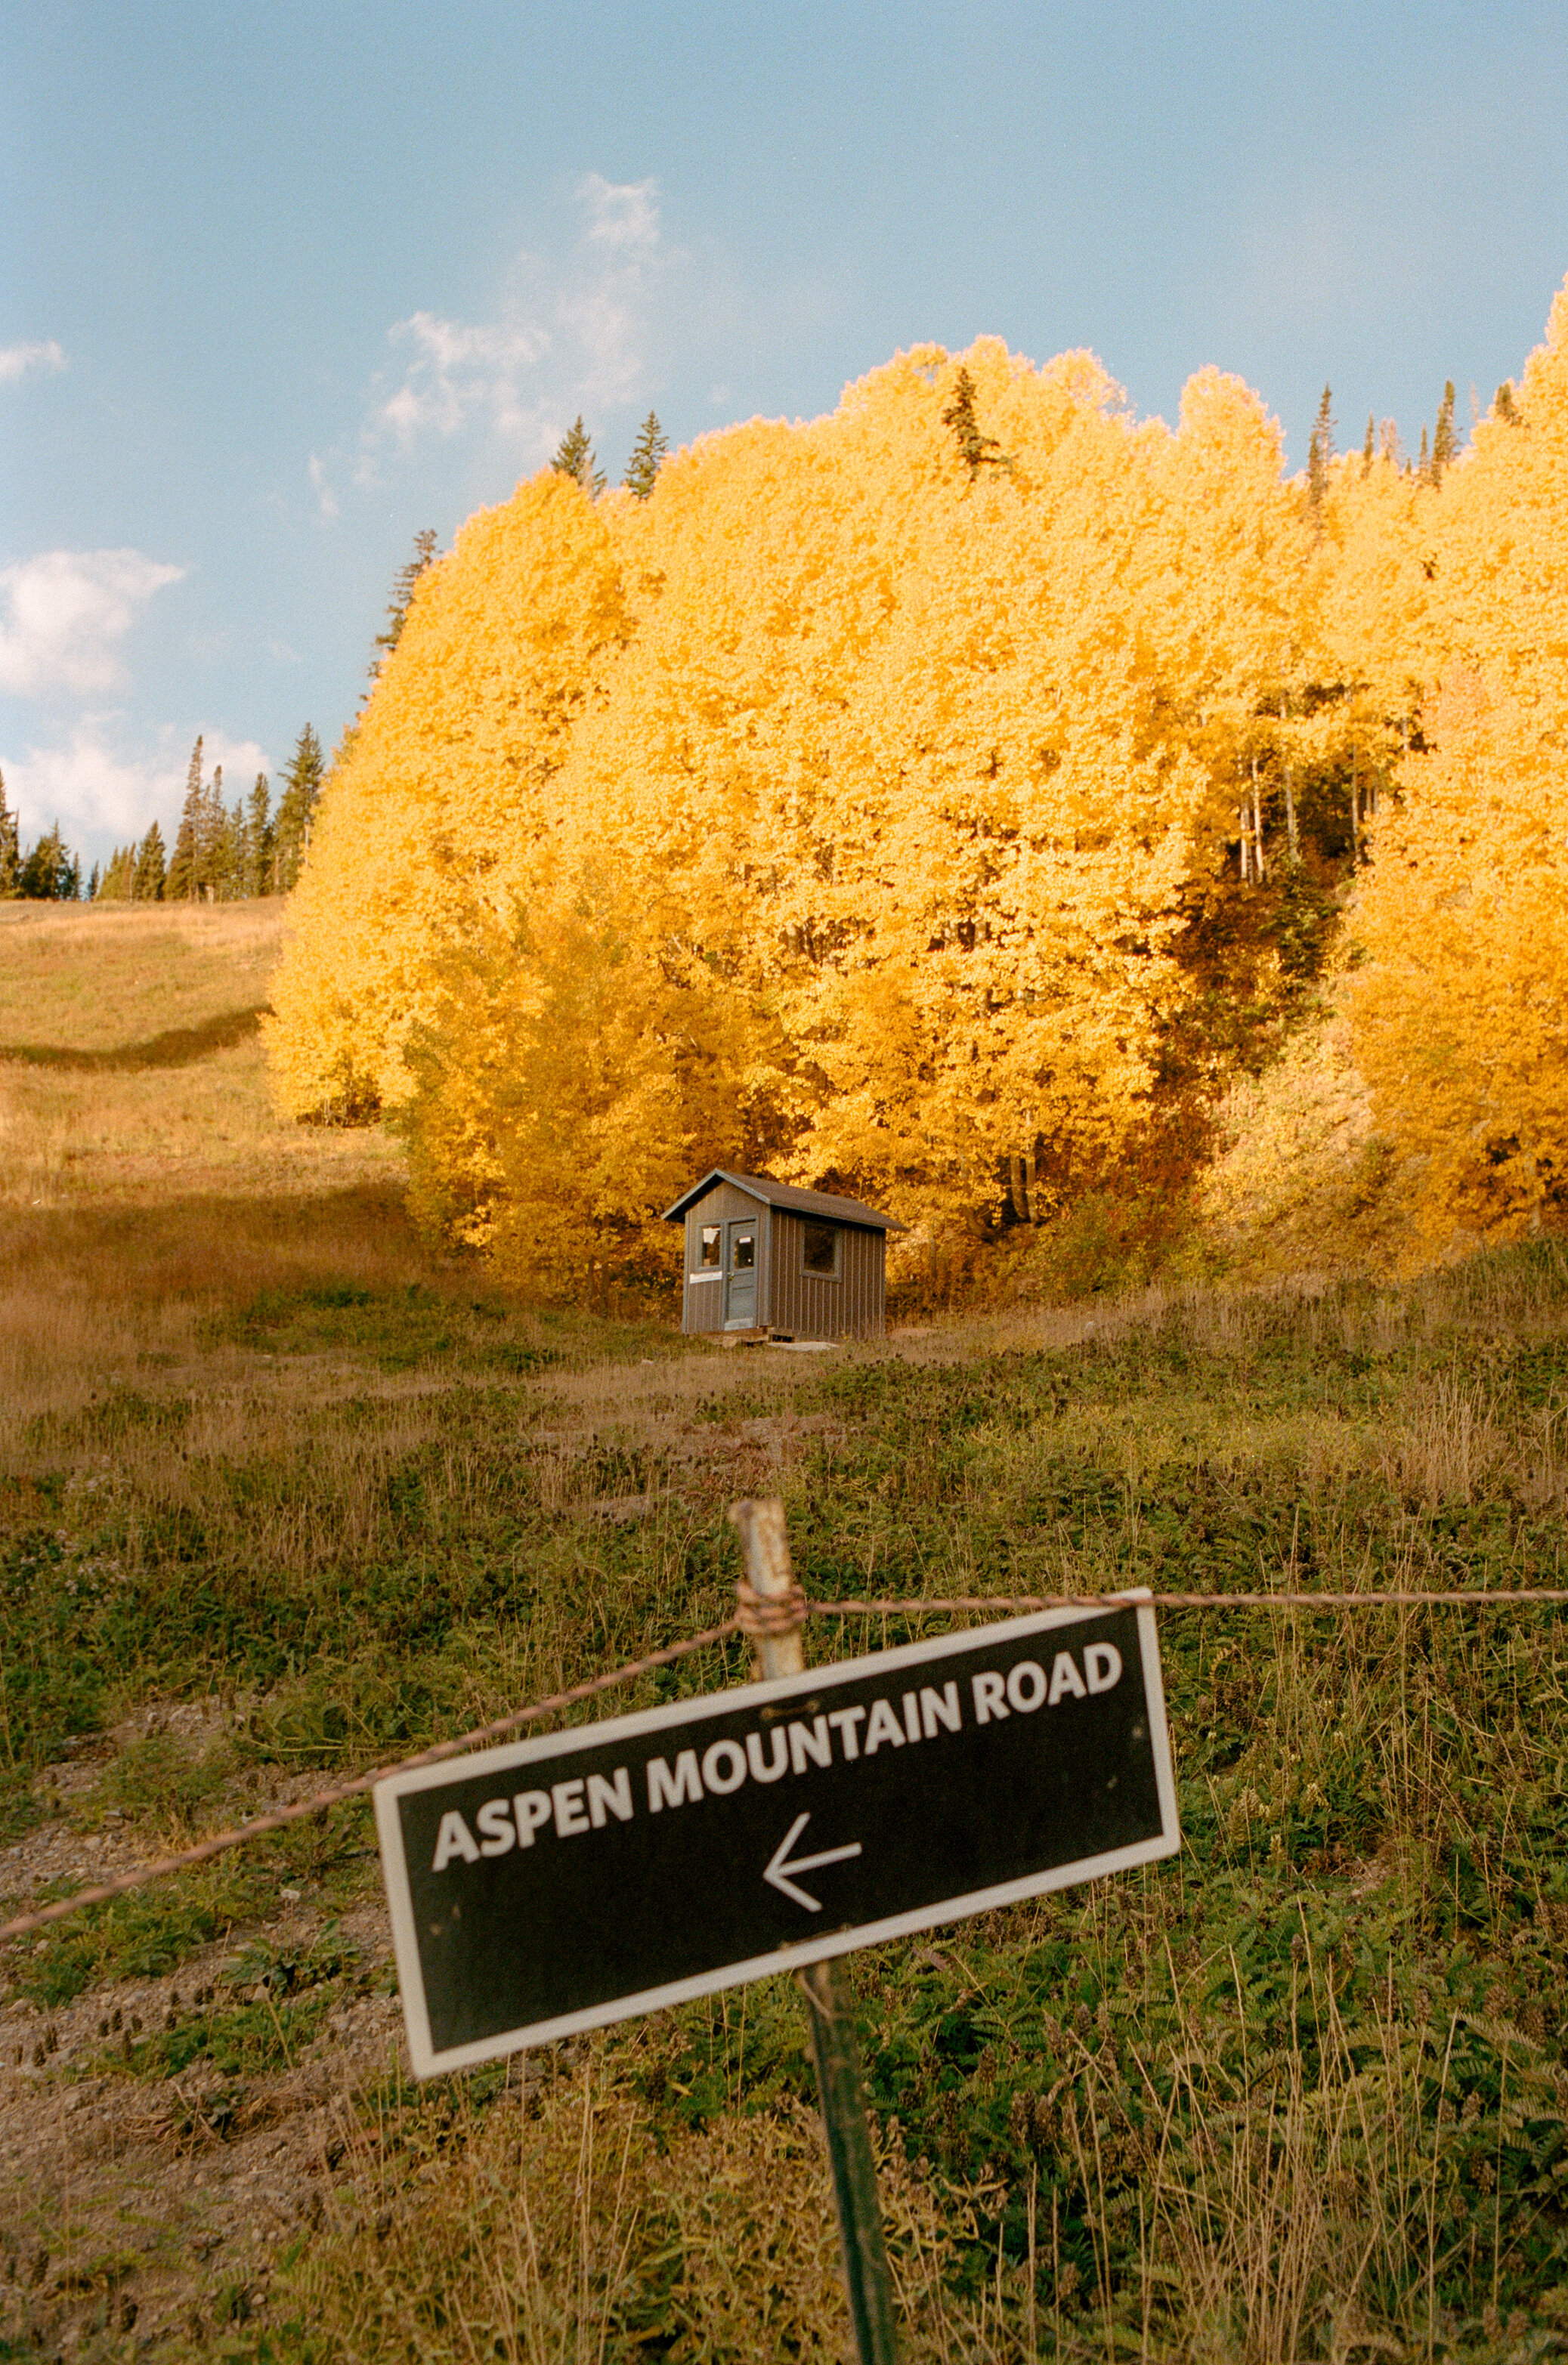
428, 2063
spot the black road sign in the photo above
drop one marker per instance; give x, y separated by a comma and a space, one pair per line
553, 1884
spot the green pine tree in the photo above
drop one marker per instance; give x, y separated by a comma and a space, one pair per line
147, 880
1504, 405
403, 584
643, 467
576, 459
1443, 445
1319, 452
212, 832
183, 884
238, 839
259, 839
1368, 448
302, 776
51, 873
1424, 465
976, 450
92, 885
10, 852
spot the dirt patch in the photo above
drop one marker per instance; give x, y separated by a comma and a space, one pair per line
159, 2204
161, 2138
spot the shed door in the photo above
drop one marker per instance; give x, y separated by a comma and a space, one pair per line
740, 1275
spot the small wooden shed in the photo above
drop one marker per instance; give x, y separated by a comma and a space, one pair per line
764, 1258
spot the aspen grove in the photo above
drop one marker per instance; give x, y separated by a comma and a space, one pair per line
846, 809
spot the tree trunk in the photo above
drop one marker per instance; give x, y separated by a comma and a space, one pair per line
1261, 865
1291, 850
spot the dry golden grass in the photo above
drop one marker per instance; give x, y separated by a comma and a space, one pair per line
568, 2223
131, 1061
145, 1177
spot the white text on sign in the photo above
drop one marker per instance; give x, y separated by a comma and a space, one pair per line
575, 1809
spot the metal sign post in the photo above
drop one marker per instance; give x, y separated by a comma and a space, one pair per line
558, 1884
764, 1547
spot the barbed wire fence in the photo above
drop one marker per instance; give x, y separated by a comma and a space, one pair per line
755, 1615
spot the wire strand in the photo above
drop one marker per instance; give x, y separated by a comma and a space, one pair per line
278, 1817
754, 1617
1466, 1596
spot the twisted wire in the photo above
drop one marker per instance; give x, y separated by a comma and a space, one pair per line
761, 1615
278, 1817
756, 1616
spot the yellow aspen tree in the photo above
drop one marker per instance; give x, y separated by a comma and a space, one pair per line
891, 754
560, 1088
1460, 1011
440, 805
1226, 555
839, 807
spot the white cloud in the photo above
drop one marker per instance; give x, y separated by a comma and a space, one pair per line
460, 373
61, 612
16, 361
321, 486
98, 794
88, 788
624, 214
572, 335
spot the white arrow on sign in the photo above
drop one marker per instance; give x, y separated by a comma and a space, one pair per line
779, 1867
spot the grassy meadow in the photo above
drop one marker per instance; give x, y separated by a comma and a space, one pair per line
283, 1493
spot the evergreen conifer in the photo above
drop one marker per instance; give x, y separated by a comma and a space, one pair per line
403, 584
147, 882
302, 776
10, 853
212, 833
643, 467
1443, 446
977, 450
576, 459
1319, 451
1368, 448
1503, 404
51, 873
183, 883
259, 839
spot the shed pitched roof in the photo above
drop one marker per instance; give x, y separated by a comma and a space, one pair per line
833, 1210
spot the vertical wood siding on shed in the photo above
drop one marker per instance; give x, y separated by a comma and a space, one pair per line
703, 1305
851, 1304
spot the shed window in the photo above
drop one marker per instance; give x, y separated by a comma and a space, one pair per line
710, 1238
819, 1250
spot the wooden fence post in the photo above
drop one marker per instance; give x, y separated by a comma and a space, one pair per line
770, 1578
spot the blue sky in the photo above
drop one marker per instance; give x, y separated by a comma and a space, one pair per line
285, 284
